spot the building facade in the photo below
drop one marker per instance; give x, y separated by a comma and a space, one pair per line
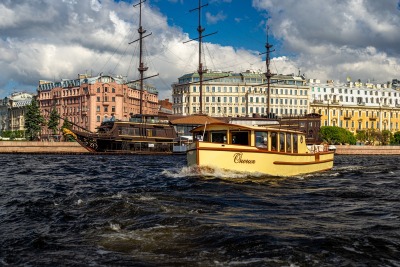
12, 111
356, 106
87, 101
240, 94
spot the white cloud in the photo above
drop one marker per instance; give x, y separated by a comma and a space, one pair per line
54, 39
213, 19
338, 38
60, 39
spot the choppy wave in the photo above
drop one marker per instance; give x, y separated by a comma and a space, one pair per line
155, 211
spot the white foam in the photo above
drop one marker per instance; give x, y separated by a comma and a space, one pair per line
115, 227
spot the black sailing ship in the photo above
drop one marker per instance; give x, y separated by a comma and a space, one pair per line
141, 134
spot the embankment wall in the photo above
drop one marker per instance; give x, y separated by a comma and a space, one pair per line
367, 150
41, 147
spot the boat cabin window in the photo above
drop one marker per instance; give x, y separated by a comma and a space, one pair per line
274, 141
295, 144
218, 137
261, 139
289, 143
128, 131
200, 137
240, 138
282, 142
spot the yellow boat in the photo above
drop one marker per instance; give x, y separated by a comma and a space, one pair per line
255, 149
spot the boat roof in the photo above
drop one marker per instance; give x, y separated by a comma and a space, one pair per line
233, 127
196, 119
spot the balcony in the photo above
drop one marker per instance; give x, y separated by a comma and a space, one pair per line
361, 103
373, 118
315, 101
347, 117
335, 102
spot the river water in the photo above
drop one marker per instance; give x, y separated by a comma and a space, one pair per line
96, 210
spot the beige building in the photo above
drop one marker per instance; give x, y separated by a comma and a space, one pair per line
240, 94
12, 111
356, 106
87, 101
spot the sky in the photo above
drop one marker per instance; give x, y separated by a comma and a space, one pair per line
326, 40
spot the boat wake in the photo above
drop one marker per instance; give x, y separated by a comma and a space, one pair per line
207, 173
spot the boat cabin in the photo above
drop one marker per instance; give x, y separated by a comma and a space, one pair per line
268, 139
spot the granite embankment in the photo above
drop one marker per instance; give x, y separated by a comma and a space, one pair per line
75, 148
41, 147
367, 150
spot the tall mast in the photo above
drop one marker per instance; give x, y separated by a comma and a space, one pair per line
142, 68
268, 74
200, 69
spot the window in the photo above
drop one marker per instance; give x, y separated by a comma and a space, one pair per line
261, 139
295, 143
288, 143
240, 138
274, 141
218, 137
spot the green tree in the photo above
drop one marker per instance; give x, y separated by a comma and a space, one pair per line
336, 135
33, 120
361, 135
396, 139
54, 121
386, 136
371, 136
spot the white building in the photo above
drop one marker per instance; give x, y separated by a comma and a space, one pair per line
240, 94
12, 111
356, 106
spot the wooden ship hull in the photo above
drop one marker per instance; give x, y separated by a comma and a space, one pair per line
139, 135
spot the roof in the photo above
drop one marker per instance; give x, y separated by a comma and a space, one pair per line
197, 119
231, 127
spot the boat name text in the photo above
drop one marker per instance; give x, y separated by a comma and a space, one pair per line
238, 158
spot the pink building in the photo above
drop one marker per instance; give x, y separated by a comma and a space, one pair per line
87, 101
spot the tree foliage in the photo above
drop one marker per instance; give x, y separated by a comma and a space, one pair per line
336, 135
396, 139
361, 136
33, 120
385, 137
13, 134
54, 121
